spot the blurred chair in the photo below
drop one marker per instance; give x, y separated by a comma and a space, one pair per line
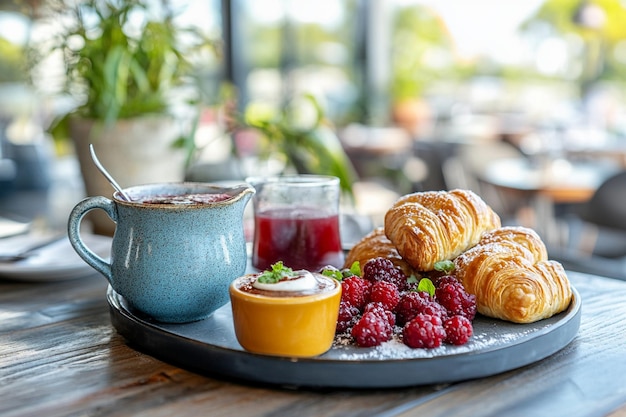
464, 170
603, 219
597, 232
607, 207
378, 153
434, 155
572, 260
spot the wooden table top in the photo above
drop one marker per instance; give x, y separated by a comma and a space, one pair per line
60, 356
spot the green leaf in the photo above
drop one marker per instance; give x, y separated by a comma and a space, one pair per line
444, 266
276, 274
315, 149
426, 285
327, 156
333, 273
139, 76
118, 73
115, 73
355, 268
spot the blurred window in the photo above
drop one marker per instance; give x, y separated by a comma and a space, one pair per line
277, 49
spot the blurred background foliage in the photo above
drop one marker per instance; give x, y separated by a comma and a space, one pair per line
358, 58
12, 65
595, 33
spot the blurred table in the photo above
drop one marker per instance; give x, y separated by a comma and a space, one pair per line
48, 207
376, 152
60, 356
546, 184
593, 143
611, 155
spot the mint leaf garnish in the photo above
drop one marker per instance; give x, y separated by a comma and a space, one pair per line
444, 266
355, 268
276, 274
426, 285
333, 273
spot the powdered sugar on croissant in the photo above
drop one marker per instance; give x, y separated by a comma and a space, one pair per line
512, 278
427, 227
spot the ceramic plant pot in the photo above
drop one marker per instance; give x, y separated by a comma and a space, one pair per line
135, 151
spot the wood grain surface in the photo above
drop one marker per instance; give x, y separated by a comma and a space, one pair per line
60, 356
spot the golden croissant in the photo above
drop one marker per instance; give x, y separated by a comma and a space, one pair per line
373, 245
512, 278
427, 227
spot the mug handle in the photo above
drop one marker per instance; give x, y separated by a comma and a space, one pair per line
73, 231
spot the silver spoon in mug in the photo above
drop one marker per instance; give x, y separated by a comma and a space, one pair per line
107, 175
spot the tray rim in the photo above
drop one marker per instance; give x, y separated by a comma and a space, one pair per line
320, 372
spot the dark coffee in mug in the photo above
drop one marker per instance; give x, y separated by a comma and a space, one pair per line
182, 199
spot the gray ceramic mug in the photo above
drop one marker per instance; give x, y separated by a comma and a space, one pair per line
170, 261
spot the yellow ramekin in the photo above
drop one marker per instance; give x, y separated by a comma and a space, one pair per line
299, 326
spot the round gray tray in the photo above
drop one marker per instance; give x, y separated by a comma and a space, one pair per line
210, 347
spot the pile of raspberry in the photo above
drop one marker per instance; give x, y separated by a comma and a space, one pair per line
384, 303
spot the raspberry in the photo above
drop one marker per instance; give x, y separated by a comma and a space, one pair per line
348, 316
379, 309
445, 279
382, 269
355, 291
371, 330
433, 308
385, 293
423, 331
414, 303
409, 305
456, 300
458, 330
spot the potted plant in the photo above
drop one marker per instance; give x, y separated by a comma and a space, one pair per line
124, 60
302, 136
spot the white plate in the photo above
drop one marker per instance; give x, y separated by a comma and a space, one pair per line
9, 227
55, 262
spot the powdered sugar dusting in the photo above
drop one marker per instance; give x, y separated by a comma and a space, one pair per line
488, 335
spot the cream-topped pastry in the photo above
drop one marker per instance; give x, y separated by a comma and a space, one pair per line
285, 312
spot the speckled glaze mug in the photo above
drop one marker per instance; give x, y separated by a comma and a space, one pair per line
170, 261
